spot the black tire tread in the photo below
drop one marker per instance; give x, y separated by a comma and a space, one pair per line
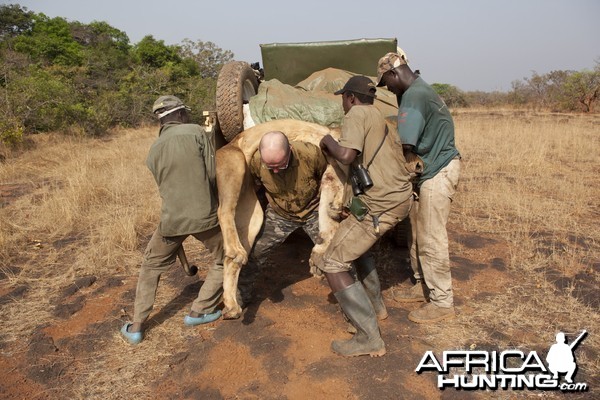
229, 98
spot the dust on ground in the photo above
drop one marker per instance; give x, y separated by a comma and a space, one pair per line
278, 349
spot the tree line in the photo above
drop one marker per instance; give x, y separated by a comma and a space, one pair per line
557, 91
88, 78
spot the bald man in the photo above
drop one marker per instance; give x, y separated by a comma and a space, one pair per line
290, 174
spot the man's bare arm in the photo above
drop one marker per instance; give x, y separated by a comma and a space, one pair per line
343, 154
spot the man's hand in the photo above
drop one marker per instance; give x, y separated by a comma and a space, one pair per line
323, 143
345, 213
414, 163
331, 147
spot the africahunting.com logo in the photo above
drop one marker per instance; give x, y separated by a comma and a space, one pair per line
508, 369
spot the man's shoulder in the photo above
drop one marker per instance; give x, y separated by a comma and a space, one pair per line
308, 151
365, 115
188, 128
419, 89
176, 128
170, 134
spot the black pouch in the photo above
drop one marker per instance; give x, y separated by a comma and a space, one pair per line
358, 208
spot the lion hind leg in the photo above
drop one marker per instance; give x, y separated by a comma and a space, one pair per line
231, 272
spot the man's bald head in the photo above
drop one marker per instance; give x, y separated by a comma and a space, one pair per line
274, 150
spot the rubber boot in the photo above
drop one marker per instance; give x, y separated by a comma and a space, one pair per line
367, 274
357, 307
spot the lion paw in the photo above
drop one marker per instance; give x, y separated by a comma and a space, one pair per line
232, 313
316, 263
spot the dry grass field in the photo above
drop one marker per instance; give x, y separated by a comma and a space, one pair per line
76, 214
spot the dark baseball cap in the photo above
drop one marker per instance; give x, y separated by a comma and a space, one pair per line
359, 84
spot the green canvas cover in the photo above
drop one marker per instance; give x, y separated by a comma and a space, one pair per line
276, 100
291, 62
312, 100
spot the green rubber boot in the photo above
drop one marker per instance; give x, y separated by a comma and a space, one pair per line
367, 274
358, 308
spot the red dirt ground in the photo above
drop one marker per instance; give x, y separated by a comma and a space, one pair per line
279, 349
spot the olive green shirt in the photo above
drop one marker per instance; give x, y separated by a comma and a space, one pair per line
293, 193
363, 129
182, 161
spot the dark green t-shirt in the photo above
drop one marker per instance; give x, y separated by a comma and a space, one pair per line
182, 161
424, 121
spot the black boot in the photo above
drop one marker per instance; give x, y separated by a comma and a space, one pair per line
358, 308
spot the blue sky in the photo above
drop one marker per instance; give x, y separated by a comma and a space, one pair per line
472, 44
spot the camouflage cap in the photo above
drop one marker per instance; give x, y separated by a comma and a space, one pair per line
359, 84
165, 105
388, 63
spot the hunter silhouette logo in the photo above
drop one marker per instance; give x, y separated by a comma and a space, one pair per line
560, 357
508, 369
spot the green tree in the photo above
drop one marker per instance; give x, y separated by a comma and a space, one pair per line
50, 42
14, 20
106, 48
106, 60
520, 93
209, 57
155, 53
42, 99
452, 96
88, 78
581, 90
555, 80
538, 87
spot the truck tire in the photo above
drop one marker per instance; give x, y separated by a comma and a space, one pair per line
236, 83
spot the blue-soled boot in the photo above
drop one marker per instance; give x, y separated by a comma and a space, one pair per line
131, 337
203, 319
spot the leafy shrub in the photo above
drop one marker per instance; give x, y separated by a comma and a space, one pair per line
11, 133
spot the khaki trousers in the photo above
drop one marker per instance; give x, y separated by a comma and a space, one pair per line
429, 255
160, 254
354, 238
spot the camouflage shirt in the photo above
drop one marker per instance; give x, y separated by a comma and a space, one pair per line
293, 192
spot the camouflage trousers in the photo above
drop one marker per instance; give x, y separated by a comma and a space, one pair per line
274, 231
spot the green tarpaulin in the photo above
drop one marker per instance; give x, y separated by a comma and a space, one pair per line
291, 62
312, 100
